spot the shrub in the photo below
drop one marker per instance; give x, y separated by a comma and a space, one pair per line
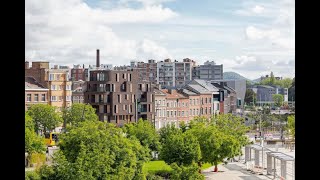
190, 172
32, 175
154, 177
37, 158
46, 172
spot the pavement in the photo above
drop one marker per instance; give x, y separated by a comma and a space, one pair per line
233, 171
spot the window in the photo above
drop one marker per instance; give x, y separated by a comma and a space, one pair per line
51, 77
126, 96
58, 77
53, 87
209, 100
175, 113
182, 113
43, 97
53, 98
190, 101
68, 87
115, 109
68, 98
167, 113
119, 98
206, 100
28, 97
129, 77
171, 113
60, 98
36, 97
60, 87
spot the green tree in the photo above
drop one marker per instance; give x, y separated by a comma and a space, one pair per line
78, 113
250, 96
286, 82
221, 137
291, 127
167, 131
44, 116
277, 99
98, 150
33, 142
181, 148
145, 133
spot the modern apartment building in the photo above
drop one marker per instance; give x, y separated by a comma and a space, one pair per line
208, 71
56, 80
174, 74
147, 71
35, 93
118, 96
265, 92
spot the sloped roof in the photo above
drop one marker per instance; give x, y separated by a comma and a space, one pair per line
31, 83
206, 84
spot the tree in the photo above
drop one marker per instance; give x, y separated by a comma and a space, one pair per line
181, 148
277, 99
78, 113
167, 131
291, 125
250, 96
286, 82
44, 116
145, 133
98, 150
221, 137
33, 142
272, 79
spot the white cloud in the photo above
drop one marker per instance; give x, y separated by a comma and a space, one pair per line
146, 2
258, 9
69, 31
255, 33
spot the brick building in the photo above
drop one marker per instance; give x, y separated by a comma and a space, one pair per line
35, 93
56, 80
118, 96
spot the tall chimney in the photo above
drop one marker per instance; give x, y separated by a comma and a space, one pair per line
98, 59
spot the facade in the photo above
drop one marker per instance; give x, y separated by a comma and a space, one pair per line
228, 96
174, 74
118, 96
147, 71
239, 85
77, 73
264, 93
208, 71
35, 93
77, 91
160, 108
56, 80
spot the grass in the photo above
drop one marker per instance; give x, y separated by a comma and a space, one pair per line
153, 166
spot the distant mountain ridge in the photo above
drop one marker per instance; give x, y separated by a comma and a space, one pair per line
234, 75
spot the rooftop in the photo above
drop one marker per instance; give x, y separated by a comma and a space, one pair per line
32, 84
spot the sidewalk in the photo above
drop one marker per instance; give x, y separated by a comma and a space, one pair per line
233, 171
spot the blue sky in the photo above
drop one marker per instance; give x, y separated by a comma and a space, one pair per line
249, 37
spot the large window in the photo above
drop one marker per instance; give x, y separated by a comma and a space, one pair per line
68, 87
28, 97
43, 97
36, 97
68, 98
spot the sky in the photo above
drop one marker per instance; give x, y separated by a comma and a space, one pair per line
249, 37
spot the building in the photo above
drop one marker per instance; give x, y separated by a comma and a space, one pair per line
35, 93
160, 103
239, 85
77, 91
267, 76
208, 101
265, 92
56, 80
208, 71
147, 71
118, 96
229, 97
77, 73
174, 74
